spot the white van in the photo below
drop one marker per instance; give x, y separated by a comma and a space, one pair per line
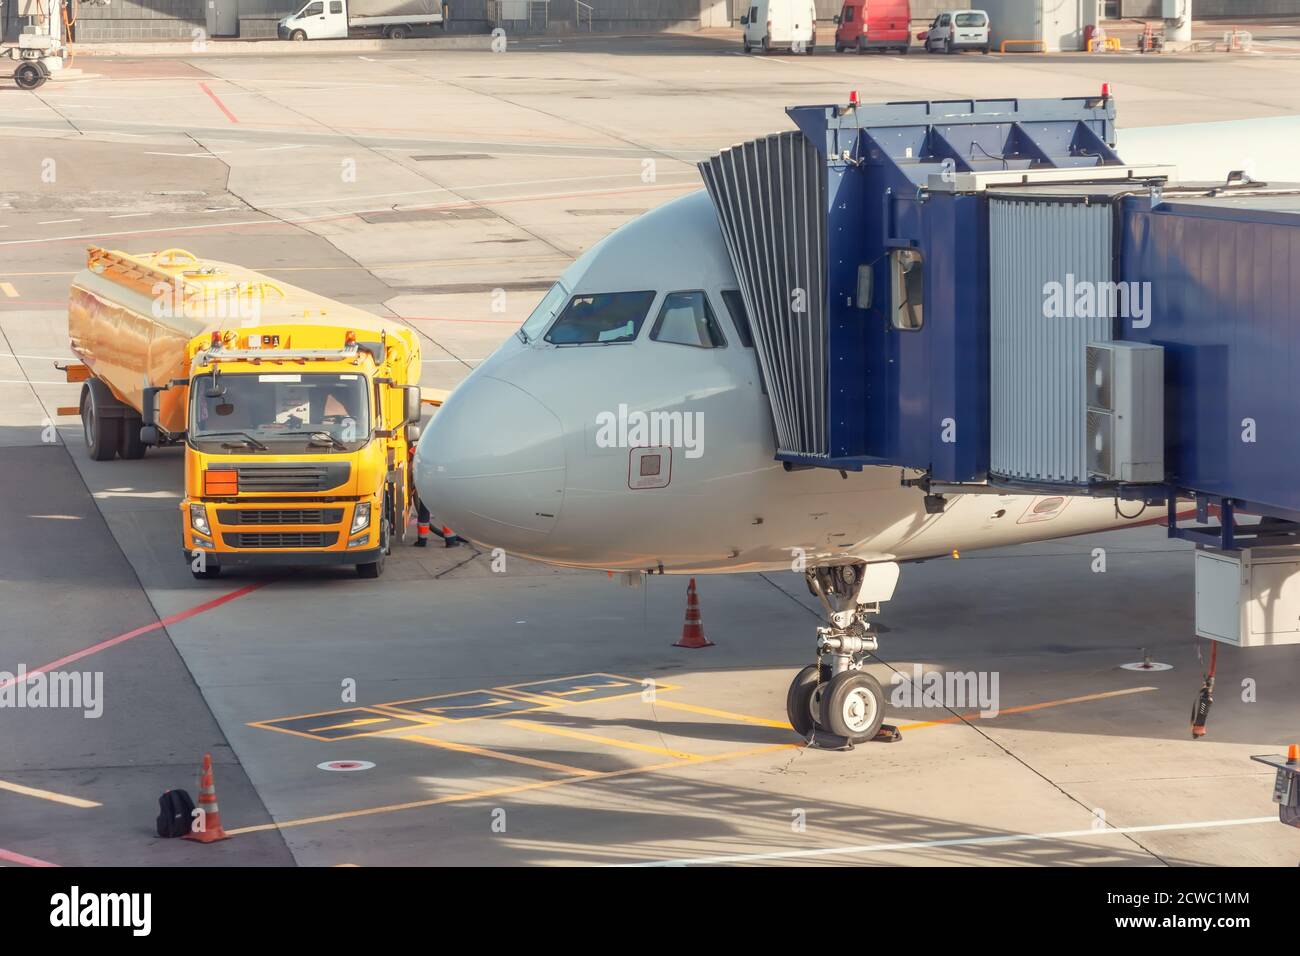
954, 30
780, 25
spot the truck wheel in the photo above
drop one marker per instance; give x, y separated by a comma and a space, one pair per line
103, 433
29, 76
297, 36
399, 33
376, 567
132, 447
904, 50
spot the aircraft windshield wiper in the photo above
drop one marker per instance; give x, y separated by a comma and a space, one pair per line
320, 438
249, 441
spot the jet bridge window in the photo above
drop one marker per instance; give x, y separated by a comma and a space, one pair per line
686, 319
907, 271
603, 318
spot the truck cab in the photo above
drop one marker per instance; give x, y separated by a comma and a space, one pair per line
864, 25
316, 20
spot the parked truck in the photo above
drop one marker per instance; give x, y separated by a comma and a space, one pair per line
297, 413
338, 19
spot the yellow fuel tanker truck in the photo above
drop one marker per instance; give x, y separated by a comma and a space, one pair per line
296, 412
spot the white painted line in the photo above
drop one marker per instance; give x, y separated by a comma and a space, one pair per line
272, 204
23, 381
8, 289
961, 841
272, 149
128, 215
55, 222
149, 152
276, 221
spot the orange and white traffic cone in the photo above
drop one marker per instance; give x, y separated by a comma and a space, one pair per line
693, 628
208, 823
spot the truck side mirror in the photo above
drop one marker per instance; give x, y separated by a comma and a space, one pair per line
412, 434
412, 405
149, 435
866, 286
835, 19
149, 404
744, 20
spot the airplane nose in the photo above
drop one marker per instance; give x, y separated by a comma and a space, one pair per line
491, 465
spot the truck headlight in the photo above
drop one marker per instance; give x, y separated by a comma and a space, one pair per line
361, 517
199, 519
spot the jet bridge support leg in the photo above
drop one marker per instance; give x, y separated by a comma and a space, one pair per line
835, 703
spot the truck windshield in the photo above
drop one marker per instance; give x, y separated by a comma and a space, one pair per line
331, 410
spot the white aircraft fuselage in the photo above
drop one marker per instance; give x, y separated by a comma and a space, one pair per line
539, 451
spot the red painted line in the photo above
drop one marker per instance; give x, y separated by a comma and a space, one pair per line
13, 857
220, 105
148, 628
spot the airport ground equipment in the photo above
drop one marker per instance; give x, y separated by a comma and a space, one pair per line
296, 413
338, 19
984, 294
1286, 785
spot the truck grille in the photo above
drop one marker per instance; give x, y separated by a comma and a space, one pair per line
256, 477
280, 516
290, 539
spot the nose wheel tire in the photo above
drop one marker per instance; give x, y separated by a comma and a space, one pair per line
802, 702
852, 706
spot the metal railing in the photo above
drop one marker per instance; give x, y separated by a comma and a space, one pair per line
527, 16
582, 10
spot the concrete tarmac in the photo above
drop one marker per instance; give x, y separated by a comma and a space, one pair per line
539, 716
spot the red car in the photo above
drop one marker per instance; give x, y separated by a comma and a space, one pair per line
873, 25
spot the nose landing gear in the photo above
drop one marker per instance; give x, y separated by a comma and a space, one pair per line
834, 703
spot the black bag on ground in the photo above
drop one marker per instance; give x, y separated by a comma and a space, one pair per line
175, 813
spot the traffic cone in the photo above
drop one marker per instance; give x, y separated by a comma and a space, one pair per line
693, 628
211, 816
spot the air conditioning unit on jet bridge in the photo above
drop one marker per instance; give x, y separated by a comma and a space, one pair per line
1126, 411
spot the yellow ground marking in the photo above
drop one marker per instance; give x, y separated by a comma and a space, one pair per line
409, 716
724, 714
8, 289
505, 791
513, 758
1025, 708
598, 739
359, 722
47, 795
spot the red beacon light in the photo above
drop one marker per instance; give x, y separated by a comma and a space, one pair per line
350, 338
216, 340
854, 101
1105, 91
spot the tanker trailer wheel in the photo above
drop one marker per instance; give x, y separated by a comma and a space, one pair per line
29, 76
103, 432
132, 447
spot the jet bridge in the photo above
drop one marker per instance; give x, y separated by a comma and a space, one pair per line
984, 292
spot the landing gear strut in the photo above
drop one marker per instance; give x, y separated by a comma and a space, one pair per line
834, 703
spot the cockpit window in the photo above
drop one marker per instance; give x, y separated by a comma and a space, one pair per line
602, 318
541, 317
686, 319
735, 303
